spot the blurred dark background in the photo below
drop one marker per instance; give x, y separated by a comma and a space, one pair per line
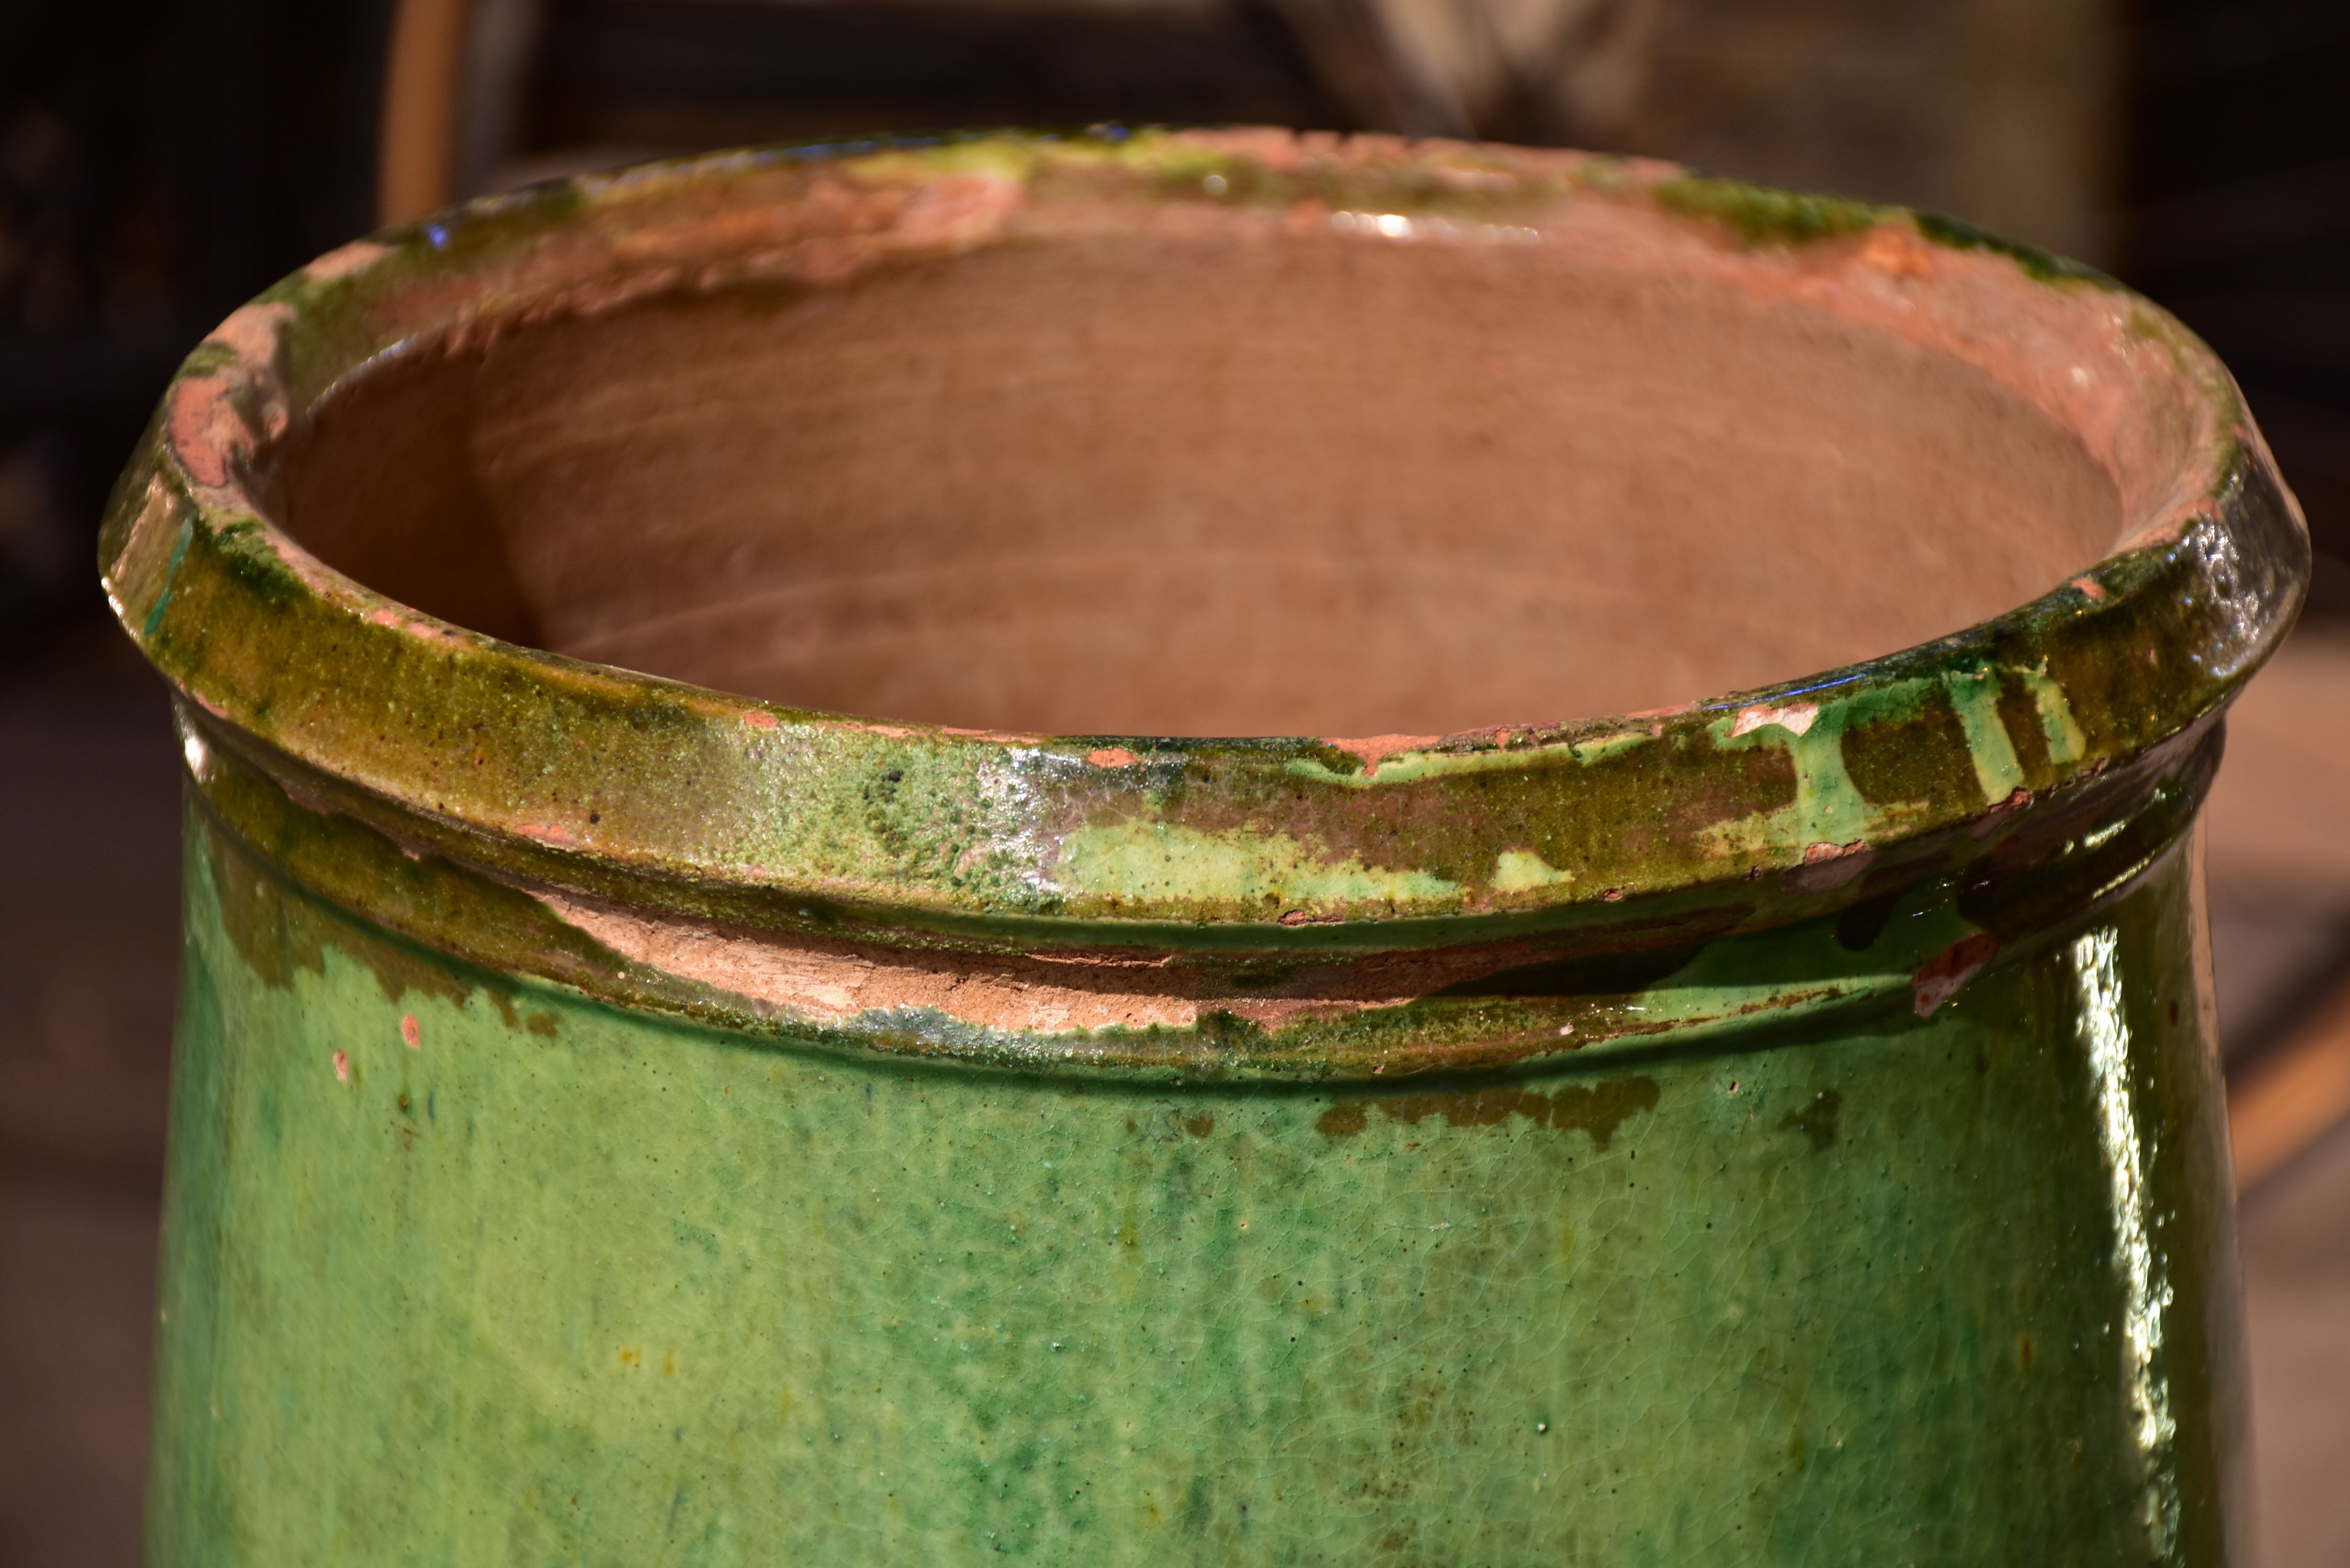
160, 162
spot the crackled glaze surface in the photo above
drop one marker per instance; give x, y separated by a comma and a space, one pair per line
619, 1119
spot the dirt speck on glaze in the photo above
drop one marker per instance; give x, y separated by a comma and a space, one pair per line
1818, 1120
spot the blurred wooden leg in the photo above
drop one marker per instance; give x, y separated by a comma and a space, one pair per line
416, 159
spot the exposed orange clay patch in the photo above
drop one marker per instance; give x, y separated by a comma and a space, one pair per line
206, 429
357, 257
1991, 820
832, 981
826, 980
409, 1035
251, 332
2090, 588
414, 626
342, 1066
1896, 252
1827, 867
758, 720
1795, 718
960, 210
1373, 749
1943, 974
1112, 757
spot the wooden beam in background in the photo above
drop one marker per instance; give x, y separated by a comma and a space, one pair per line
2294, 1093
416, 158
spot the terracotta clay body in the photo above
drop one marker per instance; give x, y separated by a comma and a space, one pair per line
1206, 847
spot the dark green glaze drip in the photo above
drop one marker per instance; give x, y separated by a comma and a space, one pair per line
1962, 235
1919, 757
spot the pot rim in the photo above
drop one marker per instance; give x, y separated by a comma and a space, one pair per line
653, 793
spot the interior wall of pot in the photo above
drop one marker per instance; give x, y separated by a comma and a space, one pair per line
1106, 486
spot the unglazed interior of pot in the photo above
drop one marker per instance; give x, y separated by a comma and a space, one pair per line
1104, 486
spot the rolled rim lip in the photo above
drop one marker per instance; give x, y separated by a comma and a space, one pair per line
193, 489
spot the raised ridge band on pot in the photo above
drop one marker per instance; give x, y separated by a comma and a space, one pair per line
1308, 905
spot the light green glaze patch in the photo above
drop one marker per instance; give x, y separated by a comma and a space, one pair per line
1332, 766
2066, 743
1975, 695
1149, 861
1598, 747
1518, 870
1826, 809
1510, 750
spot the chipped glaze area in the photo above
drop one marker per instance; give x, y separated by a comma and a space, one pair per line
616, 1120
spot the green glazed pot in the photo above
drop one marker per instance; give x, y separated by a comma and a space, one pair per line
620, 1121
